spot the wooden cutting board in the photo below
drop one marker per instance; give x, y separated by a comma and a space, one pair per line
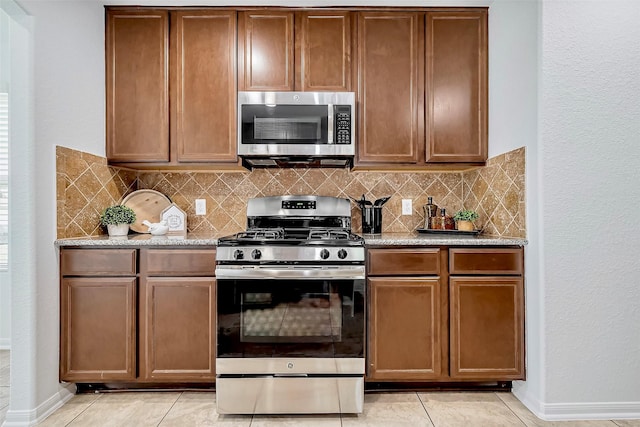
147, 204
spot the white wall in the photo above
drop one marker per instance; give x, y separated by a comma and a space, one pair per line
513, 103
5, 278
590, 139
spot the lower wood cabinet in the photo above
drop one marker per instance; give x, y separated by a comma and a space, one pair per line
445, 314
177, 329
137, 315
98, 329
405, 336
487, 327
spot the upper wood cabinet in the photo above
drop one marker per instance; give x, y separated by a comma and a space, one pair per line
422, 88
456, 86
203, 90
303, 51
389, 87
190, 52
137, 61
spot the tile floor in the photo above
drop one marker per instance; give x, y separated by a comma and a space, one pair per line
381, 409
479, 409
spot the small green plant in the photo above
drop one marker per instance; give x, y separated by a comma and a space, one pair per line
118, 214
466, 215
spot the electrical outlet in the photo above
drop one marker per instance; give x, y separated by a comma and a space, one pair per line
201, 207
407, 208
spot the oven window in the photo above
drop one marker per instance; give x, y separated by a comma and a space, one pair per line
285, 124
268, 318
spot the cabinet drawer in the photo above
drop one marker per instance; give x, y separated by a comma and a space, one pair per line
383, 262
485, 261
98, 262
179, 262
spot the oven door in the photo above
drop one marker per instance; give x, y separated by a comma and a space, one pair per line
291, 312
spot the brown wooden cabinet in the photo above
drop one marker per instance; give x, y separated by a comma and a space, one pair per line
181, 62
137, 315
390, 88
98, 315
203, 91
407, 325
422, 88
177, 315
445, 315
486, 297
456, 86
285, 50
137, 86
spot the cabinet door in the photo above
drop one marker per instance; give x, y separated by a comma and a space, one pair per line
405, 329
98, 329
137, 86
203, 95
177, 329
456, 86
390, 87
324, 60
265, 50
487, 328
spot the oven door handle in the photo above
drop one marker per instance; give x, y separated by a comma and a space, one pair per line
324, 272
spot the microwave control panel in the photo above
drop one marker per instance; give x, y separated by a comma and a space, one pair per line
343, 124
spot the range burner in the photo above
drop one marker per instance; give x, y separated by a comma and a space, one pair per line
261, 234
329, 234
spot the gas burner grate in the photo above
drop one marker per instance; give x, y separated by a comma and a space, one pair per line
261, 233
329, 234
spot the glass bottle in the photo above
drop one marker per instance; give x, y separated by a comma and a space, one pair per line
430, 211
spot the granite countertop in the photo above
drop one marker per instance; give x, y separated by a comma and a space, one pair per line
211, 239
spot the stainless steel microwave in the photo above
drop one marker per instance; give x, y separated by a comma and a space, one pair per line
309, 128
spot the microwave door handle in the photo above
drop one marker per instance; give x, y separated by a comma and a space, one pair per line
330, 116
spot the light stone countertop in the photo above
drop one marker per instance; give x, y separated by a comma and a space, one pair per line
211, 239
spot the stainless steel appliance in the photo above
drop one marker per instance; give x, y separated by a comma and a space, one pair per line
310, 128
291, 310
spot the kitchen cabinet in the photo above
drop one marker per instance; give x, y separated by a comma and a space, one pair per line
456, 86
445, 314
137, 315
171, 87
390, 88
486, 294
407, 315
137, 86
422, 90
177, 315
98, 289
286, 50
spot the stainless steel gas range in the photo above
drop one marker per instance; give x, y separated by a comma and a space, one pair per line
291, 310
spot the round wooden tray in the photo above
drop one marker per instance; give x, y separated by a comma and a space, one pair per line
147, 204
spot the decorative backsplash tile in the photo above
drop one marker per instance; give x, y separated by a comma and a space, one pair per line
86, 185
497, 192
226, 194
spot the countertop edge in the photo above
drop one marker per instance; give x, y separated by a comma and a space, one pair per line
385, 239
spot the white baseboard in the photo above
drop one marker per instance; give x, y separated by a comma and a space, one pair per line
5, 343
590, 411
31, 417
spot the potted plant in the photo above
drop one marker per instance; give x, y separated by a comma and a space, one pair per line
117, 219
464, 219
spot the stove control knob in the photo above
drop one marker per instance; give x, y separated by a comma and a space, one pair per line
238, 254
324, 254
342, 254
256, 254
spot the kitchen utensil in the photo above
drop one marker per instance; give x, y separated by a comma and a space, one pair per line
372, 220
148, 205
381, 201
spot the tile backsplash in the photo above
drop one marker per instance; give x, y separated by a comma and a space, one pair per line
86, 185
